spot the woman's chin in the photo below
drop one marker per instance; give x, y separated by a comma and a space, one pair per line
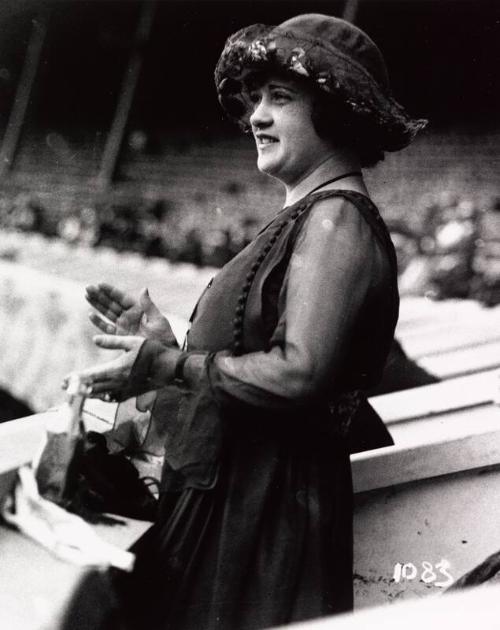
267, 166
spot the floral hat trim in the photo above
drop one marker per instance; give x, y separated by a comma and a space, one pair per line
260, 46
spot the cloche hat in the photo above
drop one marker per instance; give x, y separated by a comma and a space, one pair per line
338, 57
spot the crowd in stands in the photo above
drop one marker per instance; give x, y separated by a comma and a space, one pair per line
150, 228
453, 251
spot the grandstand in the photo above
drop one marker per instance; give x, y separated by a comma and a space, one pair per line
119, 102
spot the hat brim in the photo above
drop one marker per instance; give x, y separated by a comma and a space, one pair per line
260, 47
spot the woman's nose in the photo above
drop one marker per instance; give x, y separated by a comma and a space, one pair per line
261, 115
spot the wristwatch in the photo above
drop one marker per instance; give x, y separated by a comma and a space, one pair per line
179, 369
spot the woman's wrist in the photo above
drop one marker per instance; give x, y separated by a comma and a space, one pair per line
193, 367
172, 366
162, 366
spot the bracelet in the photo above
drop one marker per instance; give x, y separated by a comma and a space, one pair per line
179, 368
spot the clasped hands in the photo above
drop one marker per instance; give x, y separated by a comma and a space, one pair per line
127, 324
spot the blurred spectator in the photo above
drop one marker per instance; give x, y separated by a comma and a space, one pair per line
79, 228
68, 228
118, 227
152, 224
191, 250
24, 213
442, 259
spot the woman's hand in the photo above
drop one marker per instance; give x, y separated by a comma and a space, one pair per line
111, 381
118, 313
128, 376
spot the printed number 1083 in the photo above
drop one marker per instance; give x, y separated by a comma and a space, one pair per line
429, 573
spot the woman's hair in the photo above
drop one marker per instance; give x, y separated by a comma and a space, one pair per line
335, 122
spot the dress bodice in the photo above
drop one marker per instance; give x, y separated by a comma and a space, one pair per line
244, 297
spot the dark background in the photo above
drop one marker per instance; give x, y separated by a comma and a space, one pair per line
442, 56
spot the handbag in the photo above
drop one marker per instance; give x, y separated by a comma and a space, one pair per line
76, 470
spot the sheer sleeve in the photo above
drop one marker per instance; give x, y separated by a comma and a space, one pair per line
328, 278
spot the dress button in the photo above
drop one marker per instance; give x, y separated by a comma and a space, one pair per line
242, 299
237, 345
240, 309
254, 267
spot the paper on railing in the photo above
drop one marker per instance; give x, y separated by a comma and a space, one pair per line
64, 534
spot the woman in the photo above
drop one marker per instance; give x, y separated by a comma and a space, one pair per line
254, 528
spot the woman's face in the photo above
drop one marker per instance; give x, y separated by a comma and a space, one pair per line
288, 146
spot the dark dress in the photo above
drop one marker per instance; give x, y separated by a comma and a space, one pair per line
255, 523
